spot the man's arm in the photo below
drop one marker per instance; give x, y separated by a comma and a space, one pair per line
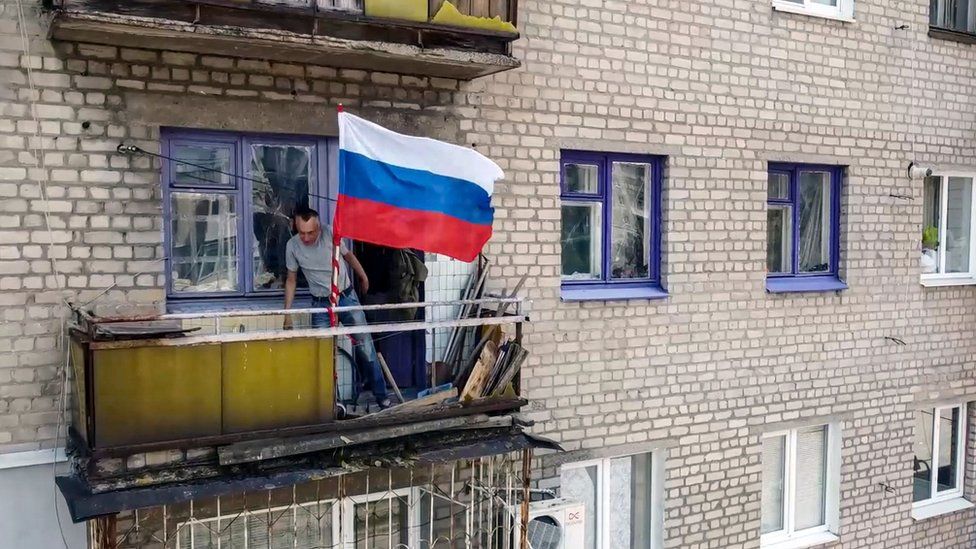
291, 282
357, 268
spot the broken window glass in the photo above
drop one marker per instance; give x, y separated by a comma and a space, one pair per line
582, 240
280, 181
631, 228
204, 242
203, 164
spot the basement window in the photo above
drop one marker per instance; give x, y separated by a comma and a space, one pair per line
611, 226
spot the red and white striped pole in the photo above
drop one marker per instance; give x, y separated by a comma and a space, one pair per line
336, 239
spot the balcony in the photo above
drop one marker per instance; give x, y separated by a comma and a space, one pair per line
420, 37
174, 406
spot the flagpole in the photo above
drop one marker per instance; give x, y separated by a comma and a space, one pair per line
336, 239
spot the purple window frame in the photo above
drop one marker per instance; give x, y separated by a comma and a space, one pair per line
606, 287
322, 175
795, 281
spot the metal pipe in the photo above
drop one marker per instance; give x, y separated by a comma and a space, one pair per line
294, 334
278, 312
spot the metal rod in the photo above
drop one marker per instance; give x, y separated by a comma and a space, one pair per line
526, 492
295, 334
278, 312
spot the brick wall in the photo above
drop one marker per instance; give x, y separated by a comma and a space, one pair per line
719, 87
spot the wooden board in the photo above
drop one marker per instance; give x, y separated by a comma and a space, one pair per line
480, 373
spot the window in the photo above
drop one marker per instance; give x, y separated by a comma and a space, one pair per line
610, 237
939, 443
228, 200
947, 230
298, 525
953, 15
799, 485
618, 494
381, 519
831, 9
803, 228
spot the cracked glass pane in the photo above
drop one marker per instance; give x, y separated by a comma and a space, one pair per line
631, 221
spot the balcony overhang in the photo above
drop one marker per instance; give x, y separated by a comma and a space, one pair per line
333, 39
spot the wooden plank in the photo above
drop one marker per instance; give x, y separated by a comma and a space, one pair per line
433, 6
498, 8
420, 403
479, 375
389, 376
463, 6
261, 450
480, 8
456, 409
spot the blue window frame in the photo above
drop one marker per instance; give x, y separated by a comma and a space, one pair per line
611, 225
227, 204
803, 228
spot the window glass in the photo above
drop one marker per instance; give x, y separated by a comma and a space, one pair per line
923, 455
280, 177
582, 178
381, 524
931, 216
203, 233
441, 518
581, 484
630, 233
779, 228
811, 478
778, 186
952, 14
814, 198
582, 240
947, 476
773, 483
202, 164
959, 215
630, 501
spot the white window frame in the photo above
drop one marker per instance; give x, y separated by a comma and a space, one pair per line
844, 11
603, 496
413, 514
788, 537
953, 279
957, 492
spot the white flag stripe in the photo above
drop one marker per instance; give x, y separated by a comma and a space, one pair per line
417, 153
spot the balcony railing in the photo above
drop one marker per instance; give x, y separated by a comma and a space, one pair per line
150, 382
464, 39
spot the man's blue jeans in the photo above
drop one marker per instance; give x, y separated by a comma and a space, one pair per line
363, 350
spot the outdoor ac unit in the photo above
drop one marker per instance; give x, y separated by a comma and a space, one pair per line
556, 524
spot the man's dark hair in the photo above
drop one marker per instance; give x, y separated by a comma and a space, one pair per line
305, 214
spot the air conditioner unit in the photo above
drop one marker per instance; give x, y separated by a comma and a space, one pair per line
556, 524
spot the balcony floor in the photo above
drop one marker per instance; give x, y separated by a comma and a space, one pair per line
335, 40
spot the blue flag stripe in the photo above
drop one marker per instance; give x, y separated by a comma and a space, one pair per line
411, 189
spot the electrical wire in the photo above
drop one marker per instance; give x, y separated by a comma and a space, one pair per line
42, 186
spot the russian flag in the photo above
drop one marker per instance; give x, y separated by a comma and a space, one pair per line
412, 192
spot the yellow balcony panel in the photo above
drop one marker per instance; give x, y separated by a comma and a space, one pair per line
272, 384
146, 394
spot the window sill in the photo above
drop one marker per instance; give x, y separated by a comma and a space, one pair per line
793, 8
802, 284
953, 35
936, 281
604, 293
799, 542
930, 510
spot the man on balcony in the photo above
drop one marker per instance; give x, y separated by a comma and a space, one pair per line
311, 251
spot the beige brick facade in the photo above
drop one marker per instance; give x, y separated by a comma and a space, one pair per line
719, 87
